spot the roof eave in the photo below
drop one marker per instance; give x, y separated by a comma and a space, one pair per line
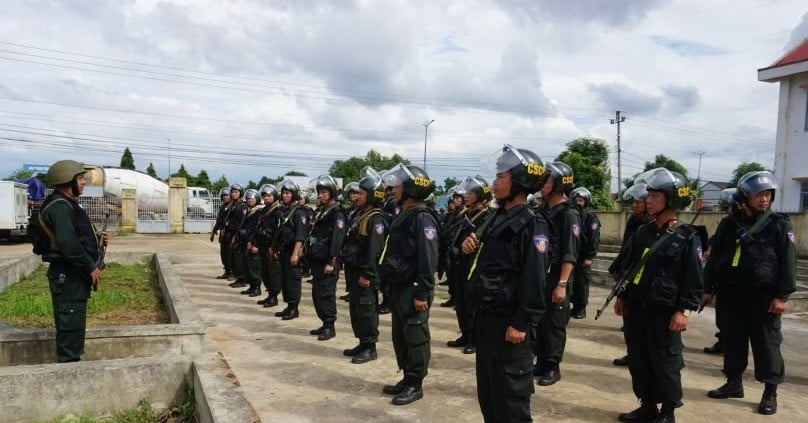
774, 74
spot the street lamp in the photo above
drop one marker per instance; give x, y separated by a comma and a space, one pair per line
426, 129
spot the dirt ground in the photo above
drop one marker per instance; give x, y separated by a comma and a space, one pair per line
289, 376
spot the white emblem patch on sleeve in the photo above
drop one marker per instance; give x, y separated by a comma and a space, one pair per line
340, 223
379, 228
540, 242
430, 233
576, 230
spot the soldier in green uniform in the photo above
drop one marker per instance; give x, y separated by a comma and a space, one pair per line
323, 247
754, 257
664, 284
509, 255
552, 329
287, 247
267, 225
235, 218
590, 242
408, 264
73, 257
360, 255
477, 194
246, 242
218, 227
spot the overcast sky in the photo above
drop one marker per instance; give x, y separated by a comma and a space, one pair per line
250, 88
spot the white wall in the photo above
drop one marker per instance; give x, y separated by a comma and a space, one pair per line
791, 152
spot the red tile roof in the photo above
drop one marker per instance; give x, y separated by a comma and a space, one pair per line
796, 55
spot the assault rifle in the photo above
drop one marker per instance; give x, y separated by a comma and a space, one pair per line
462, 229
102, 248
621, 284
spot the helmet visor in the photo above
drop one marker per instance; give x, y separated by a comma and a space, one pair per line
656, 178
728, 194
638, 191
397, 175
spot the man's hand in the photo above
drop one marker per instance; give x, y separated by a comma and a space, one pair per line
559, 294
364, 283
95, 277
619, 307
470, 244
777, 306
587, 263
104, 239
212, 234
329, 269
705, 299
420, 305
294, 260
514, 336
678, 322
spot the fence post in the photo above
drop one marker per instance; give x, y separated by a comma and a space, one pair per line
128, 210
176, 204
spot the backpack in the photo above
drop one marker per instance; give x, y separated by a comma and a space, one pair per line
40, 234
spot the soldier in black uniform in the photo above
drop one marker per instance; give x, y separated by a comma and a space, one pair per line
510, 259
287, 247
477, 194
450, 226
637, 194
408, 262
235, 218
247, 243
664, 283
360, 255
754, 258
590, 242
351, 211
552, 329
267, 226
323, 248
218, 227
391, 210
73, 257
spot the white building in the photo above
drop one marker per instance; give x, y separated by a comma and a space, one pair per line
791, 151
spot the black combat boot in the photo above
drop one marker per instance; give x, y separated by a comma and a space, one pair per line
448, 303
732, 389
409, 394
397, 388
646, 413
538, 368
283, 312
470, 348
768, 403
271, 301
552, 374
350, 352
666, 413
579, 314
224, 275
622, 361
328, 332
292, 313
256, 291
238, 283
459, 342
317, 331
715, 349
367, 354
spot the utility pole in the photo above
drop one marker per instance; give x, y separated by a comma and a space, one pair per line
698, 174
617, 120
169, 157
426, 129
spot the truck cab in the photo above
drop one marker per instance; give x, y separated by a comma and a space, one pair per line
199, 203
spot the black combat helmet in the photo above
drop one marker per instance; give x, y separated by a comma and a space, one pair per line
326, 182
371, 182
673, 184
478, 186
415, 181
583, 193
562, 176
251, 193
268, 189
352, 187
638, 191
527, 169
63, 172
755, 182
237, 187
224, 192
291, 186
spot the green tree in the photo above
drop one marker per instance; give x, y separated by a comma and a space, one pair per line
19, 174
150, 171
127, 162
743, 169
349, 169
449, 182
294, 173
202, 180
219, 184
589, 160
183, 173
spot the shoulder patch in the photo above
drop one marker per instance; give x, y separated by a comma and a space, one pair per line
540, 242
594, 226
379, 228
791, 236
430, 232
700, 253
340, 223
576, 229
303, 219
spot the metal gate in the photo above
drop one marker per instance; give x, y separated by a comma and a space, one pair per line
200, 216
152, 215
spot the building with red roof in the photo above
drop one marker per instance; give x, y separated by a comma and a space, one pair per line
791, 150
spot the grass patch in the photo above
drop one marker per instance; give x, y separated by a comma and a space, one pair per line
144, 413
127, 295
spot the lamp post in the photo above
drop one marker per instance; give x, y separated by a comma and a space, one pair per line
426, 129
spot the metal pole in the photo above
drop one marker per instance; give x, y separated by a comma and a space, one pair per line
617, 120
426, 129
169, 157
